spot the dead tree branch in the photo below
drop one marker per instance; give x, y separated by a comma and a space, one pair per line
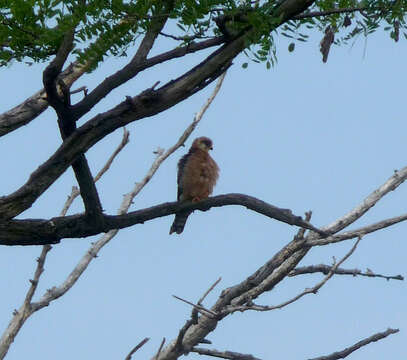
231, 355
325, 269
138, 346
345, 352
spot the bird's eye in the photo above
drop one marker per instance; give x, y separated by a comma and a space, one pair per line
207, 143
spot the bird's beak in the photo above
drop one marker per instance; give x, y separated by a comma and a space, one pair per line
211, 148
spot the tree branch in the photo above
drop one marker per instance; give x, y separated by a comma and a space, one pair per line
345, 352
231, 355
40, 231
358, 232
138, 346
325, 269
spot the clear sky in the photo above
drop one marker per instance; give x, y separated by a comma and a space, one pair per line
303, 135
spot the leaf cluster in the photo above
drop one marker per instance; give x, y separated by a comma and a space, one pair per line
32, 30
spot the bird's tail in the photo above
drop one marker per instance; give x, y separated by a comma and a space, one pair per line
179, 222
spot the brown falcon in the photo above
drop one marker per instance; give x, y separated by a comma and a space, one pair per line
197, 175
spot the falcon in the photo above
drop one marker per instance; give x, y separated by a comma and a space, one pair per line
197, 175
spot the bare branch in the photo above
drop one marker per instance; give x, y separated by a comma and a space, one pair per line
313, 290
209, 290
358, 232
38, 271
231, 355
325, 269
391, 184
138, 346
159, 349
345, 352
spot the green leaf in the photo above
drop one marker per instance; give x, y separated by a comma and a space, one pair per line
245, 65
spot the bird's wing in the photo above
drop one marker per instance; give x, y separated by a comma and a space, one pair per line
181, 168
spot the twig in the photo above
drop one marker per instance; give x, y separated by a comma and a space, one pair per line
199, 308
209, 290
345, 352
231, 355
159, 349
38, 271
82, 88
138, 346
325, 269
313, 290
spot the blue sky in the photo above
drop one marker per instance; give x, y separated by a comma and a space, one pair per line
303, 135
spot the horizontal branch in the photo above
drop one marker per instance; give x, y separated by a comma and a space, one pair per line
345, 352
325, 269
41, 231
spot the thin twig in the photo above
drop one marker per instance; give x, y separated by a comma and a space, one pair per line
38, 271
159, 349
209, 290
138, 346
345, 352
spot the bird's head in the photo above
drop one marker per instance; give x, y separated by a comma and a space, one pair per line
202, 143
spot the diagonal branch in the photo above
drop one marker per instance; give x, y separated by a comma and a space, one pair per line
345, 352
358, 232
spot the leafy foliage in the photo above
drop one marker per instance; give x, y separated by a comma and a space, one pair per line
32, 30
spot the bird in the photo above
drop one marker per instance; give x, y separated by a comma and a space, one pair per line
196, 178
